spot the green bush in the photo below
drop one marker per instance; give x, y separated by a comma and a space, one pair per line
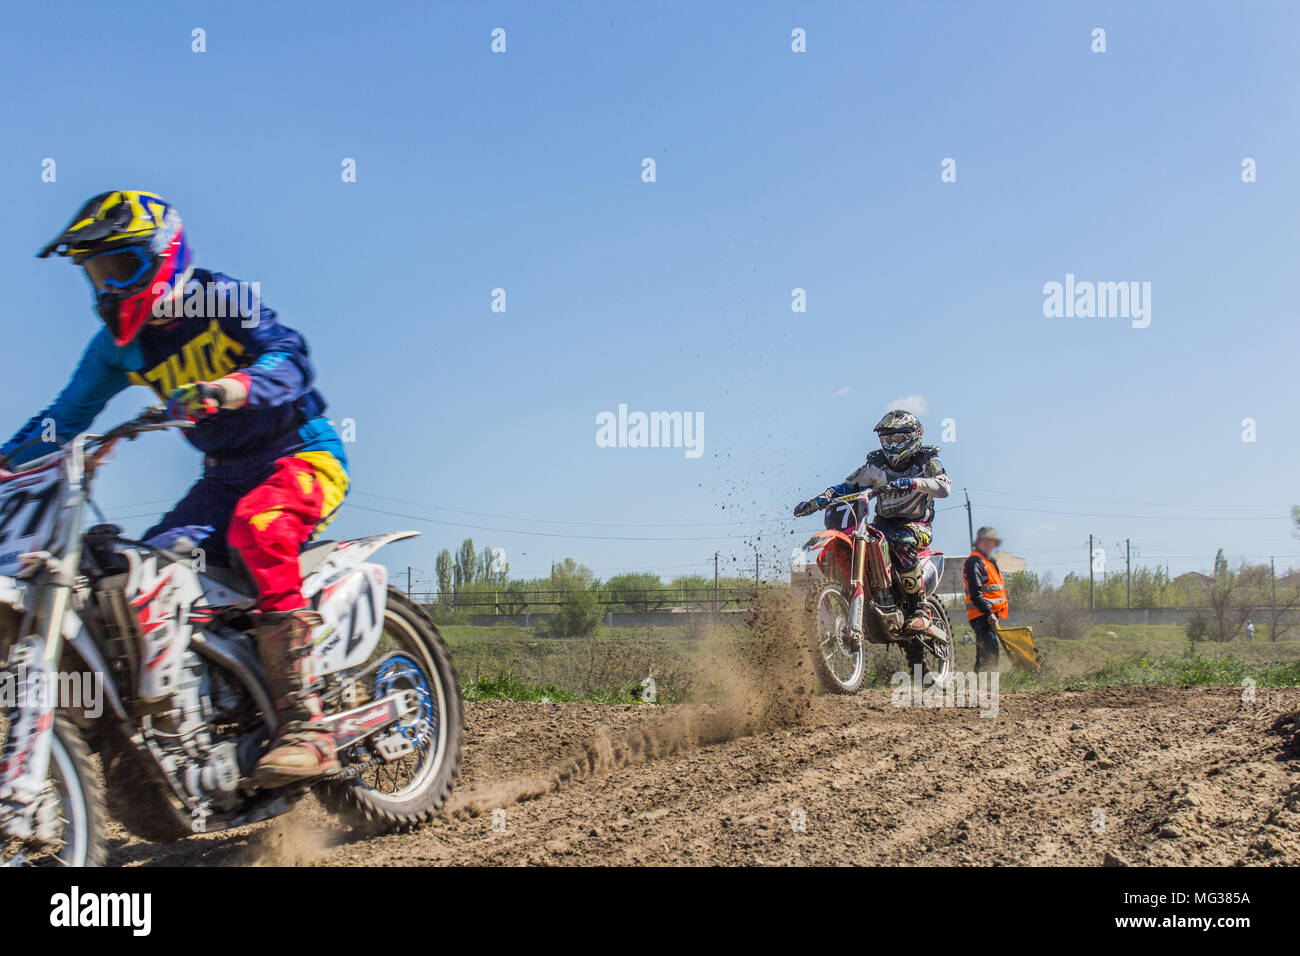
578, 616
509, 686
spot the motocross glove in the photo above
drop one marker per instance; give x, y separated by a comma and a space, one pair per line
902, 484
814, 504
195, 401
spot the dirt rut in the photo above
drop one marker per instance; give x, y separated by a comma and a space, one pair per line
1126, 775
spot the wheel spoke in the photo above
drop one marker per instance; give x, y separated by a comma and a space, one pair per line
842, 655
401, 664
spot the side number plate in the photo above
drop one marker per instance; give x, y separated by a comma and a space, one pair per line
28, 513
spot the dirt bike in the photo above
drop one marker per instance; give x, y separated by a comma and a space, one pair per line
859, 600
183, 710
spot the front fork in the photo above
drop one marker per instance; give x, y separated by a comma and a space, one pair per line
870, 576
32, 668
857, 606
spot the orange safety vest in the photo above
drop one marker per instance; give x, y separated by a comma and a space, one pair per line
994, 590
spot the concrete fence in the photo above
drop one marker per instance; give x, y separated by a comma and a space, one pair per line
620, 619
1176, 616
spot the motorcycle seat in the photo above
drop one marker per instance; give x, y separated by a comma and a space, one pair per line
237, 578
313, 555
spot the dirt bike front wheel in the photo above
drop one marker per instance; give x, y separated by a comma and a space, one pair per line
398, 793
839, 657
72, 804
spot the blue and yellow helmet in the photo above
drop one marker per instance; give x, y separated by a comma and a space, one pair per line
132, 245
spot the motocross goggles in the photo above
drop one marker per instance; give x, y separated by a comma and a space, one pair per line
127, 284
118, 270
899, 446
897, 441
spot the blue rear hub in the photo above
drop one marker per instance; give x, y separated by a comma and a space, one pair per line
401, 673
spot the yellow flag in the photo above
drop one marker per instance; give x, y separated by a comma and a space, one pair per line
1019, 645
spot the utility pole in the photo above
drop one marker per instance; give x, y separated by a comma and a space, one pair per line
756, 569
1092, 593
970, 525
408, 582
1272, 601
715, 584
1128, 576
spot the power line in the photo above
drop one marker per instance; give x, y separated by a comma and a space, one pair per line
554, 534
141, 504
1094, 514
1112, 501
591, 524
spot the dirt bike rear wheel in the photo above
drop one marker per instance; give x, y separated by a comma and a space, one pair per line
418, 660
839, 658
938, 660
80, 805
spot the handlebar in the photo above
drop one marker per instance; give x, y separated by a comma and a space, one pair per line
152, 419
865, 495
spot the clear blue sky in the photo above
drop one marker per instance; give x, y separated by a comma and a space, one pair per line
775, 170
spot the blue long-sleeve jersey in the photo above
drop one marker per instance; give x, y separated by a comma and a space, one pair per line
211, 339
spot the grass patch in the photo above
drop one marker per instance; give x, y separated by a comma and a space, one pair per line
511, 686
512, 663
506, 662
1195, 671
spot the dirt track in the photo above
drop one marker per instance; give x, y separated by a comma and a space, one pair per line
1134, 775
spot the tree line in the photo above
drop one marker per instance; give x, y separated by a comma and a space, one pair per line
478, 581
1230, 597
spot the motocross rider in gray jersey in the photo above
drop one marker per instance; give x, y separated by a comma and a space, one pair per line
911, 476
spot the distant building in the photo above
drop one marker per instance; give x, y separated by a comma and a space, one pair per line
1009, 564
950, 581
